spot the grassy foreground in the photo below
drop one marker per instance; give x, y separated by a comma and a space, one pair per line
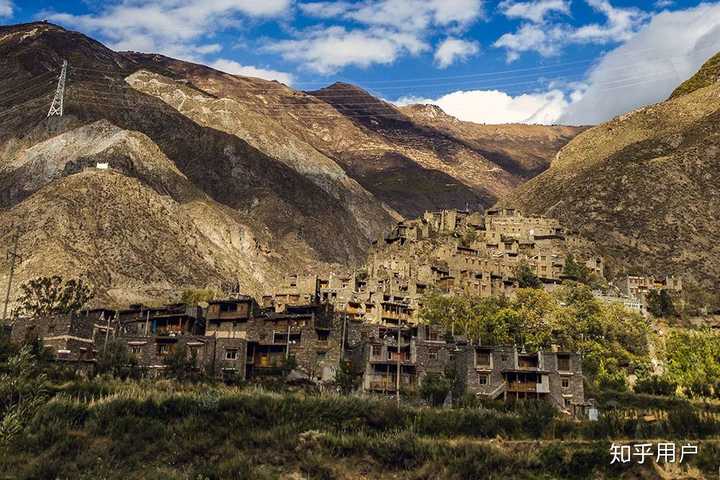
161, 429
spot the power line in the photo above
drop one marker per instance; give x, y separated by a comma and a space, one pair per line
282, 107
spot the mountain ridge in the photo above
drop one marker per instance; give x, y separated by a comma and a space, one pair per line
643, 187
304, 180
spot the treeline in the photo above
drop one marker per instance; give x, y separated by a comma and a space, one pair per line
614, 342
611, 339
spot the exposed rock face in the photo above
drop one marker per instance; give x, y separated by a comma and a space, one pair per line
213, 177
644, 186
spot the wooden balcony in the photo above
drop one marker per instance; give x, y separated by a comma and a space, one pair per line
526, 387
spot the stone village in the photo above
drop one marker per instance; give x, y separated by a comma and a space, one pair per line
370, 317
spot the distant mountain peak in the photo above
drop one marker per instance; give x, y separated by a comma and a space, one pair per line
427, 111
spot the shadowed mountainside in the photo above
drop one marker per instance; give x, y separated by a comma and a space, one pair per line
644, 186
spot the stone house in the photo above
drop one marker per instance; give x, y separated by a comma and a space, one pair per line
169, 320
637, 287
225, 318
294, 289
218, 356
505, 372
70, 337
417, 351
309, 334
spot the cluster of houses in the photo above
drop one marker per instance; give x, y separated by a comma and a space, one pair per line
239, 338
450, 251
370, 317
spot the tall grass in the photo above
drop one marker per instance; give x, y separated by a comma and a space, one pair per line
145, 429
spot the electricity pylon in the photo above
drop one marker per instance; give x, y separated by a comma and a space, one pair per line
56, 108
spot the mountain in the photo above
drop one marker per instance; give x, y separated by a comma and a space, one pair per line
644, 186
706, 76
523, 150
212, 177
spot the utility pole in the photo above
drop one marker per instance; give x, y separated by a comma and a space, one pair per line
342, 340
399, 364
287, 346
13, 257
56, 107
107, 332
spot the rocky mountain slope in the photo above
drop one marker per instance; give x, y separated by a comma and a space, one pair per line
213, 177
644, 186
524, 150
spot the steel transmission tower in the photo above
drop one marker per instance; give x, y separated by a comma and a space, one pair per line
56, 108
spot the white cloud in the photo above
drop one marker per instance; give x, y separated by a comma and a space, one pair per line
649, 66
494, 106
329, 49
621, 25
388, 30
325, 9
235, 68
535, 11
664, 3
400, 14
454, 49
549, 40
172, 27
6, 9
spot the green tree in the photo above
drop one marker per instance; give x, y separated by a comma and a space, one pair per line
179, 363
611, 338
661, 304
116, 360
23, 389
693, 361
525, 276
346, 378
655, 385
53, 295
196, 296
435, 388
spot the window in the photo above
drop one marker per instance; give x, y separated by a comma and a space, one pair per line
228, 307
376, 350
282, 338
563, 363
483, 379
163, 349
231, 354
321, 355
565, 382
568, 402
482, 358
135, 349
433, 355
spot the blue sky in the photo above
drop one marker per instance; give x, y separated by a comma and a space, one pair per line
493, 61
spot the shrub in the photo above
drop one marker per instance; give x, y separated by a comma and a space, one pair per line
116, 360
526, 278
655, 385
660, 303
435, 388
